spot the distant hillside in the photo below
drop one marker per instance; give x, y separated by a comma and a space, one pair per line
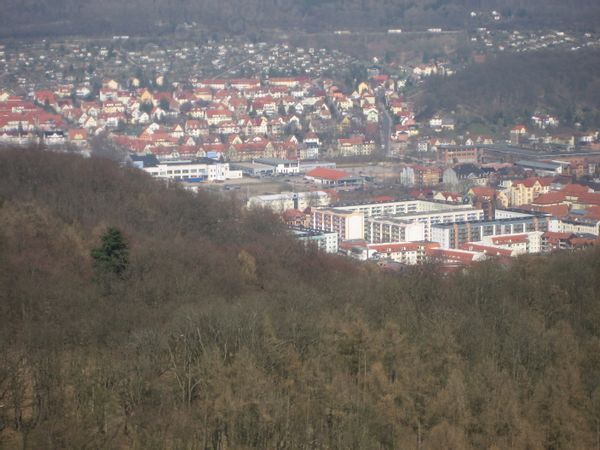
512, 87
136, 315
242, 16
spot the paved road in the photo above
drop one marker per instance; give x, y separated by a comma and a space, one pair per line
386, 123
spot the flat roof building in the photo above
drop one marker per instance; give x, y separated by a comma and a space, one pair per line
326, 241
280, 166
347, 224
290, 200
455, 235
396, 221
541, 168
201, 169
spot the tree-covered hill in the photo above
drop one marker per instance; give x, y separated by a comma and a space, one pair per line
510, 88
221, 332
241, 16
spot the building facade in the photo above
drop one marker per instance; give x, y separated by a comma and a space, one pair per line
326, 241
454, 235
347, 224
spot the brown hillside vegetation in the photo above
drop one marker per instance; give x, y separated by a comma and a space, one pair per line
225, 334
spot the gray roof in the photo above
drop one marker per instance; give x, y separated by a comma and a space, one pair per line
538, 164
145, 160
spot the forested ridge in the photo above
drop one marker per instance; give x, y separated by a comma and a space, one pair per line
510, 88
19, 17
136, 315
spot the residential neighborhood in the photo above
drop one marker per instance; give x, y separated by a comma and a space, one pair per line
283, 128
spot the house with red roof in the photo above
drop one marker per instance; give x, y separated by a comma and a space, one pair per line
78, 136
488, 250
482, 194
553, 240
450, 197
329, 177
550, 199
454, 256
354, 146
586, 200
196, 128
47, 98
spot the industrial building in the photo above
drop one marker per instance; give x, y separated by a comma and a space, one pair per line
197, 170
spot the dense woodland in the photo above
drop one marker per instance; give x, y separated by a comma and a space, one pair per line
22, 17
510, 88
136, 315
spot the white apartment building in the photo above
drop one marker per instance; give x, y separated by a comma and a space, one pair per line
290, 200
326, 241
454, 235
393, 230
520, 244
347, 224
576, 225
410, 253
391, 221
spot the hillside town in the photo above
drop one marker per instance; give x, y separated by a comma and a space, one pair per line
346, 162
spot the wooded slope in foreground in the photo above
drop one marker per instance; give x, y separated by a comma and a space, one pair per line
224, 334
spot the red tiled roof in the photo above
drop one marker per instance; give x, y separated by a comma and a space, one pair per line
482, 191
355, 140
395, 248
327, 174
512, 239
77, 133
451, 195
460, 256
553, 210
530, 182
580, 241
589, 198
593, 212
555, 236
353, 243
486, 249
574, 189
291, 213
549, 198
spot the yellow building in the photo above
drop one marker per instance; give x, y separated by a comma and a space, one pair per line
523, 192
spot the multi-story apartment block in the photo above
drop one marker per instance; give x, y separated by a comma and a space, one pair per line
454, 235
347, 224
290, 200
326, 241
409, 253
409, 220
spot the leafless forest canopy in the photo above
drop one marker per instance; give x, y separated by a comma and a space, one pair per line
224, 333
